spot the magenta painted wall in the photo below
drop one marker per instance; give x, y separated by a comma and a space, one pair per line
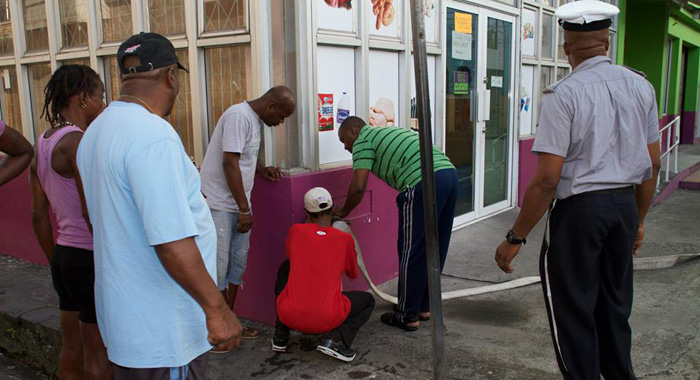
688, 127
527, 165
16, 235
276, 206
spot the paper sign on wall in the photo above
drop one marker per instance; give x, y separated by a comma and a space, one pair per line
496, 81
461, 46
325, 112
461, 83
463, 23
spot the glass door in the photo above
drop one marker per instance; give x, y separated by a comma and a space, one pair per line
479, 97
497, 124
461, 104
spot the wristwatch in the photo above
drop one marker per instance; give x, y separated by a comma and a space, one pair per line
512, 239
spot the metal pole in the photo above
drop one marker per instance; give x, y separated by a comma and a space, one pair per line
675, 149
420, 61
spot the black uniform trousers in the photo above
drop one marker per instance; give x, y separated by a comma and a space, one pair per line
586, 270
361, 307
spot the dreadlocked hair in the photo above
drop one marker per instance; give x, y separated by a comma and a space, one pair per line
66, 82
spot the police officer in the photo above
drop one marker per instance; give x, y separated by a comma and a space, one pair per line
598, 157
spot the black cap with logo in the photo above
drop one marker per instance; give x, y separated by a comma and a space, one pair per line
154, 51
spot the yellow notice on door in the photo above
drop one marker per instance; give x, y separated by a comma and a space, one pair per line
463, 23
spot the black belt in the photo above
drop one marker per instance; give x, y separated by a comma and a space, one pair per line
609, 191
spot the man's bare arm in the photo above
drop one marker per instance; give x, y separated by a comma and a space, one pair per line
356, 191
18, 153
644, 193
183, 261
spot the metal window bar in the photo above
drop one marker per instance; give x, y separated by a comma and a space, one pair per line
671, 129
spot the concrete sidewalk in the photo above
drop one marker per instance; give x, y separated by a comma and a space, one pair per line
496, 336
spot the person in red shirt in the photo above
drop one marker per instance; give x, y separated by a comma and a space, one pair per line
308, 287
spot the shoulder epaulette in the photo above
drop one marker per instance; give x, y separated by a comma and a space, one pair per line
635, 71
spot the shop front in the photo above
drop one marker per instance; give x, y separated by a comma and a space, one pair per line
339, 57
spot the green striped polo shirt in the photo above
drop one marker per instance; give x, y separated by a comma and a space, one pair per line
393, 155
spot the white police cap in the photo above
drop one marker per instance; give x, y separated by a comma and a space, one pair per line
586, 15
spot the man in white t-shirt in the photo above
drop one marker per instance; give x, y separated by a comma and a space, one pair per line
228, 173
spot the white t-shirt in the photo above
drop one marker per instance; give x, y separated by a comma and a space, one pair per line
142, 190
238, 131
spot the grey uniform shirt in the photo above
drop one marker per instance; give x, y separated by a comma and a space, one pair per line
600, 119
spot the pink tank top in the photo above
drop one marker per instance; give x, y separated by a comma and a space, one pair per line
62, 194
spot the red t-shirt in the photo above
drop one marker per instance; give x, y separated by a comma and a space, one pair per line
312, 301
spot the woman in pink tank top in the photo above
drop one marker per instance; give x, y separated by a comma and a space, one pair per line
74, 98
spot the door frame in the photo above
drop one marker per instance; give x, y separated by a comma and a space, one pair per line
505, 14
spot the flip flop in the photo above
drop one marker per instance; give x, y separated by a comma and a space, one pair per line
420, 317
391, 320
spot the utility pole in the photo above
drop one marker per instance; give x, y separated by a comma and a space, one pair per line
420, 62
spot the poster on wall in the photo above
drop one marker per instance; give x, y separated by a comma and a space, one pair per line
529, 27
332, 60
526, 99
383, 89
461, 46
383, 17
461, 82
336, 15
325, 112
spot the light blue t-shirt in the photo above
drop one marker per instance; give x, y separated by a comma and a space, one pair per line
142, 190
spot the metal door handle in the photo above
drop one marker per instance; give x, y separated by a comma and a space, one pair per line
483, 129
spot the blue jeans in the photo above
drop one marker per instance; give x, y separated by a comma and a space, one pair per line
231, 249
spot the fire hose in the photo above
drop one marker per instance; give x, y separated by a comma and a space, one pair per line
643, 263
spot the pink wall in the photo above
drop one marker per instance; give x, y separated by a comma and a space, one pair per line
16, 234
527, 165
688, 127
277, 206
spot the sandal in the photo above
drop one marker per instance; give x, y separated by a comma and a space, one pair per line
420, 317
391, 320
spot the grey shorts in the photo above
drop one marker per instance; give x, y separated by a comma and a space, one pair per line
194, 370
231, 249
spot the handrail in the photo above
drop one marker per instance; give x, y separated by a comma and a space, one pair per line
676, 132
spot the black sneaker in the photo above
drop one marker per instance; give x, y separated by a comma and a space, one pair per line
279, 344
336, 350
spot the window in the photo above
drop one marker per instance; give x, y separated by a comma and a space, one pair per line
547, 36
36, 33
9, 101
527, 97
224, 15
116, 20
112, 80
561, 73
226, 79
543, 57
167, 17
545, 78
73, 23
561, 54
7, 47
181, 116
529, 32
77, 61
39, 76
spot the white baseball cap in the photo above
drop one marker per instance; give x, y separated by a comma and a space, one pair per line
317, 199
586, 15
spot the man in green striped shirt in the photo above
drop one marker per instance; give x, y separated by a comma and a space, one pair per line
393, 155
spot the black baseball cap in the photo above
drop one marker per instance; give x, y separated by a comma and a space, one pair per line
154, 50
